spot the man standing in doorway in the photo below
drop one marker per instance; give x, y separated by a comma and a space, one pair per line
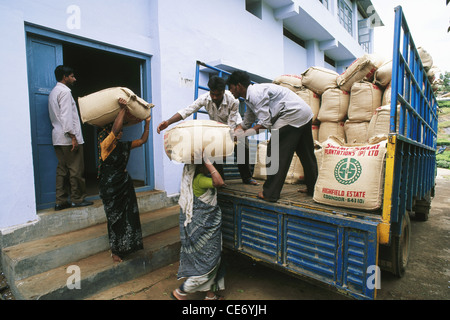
68, 142
276, 107
221, 107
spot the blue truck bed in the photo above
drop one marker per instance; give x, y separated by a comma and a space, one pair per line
335, 246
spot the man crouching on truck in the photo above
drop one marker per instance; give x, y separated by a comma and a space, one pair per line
223, 108
277, 107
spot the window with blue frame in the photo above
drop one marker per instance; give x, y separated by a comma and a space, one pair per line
345, 15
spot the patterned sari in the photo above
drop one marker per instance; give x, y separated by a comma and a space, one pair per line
119, 199
201, 239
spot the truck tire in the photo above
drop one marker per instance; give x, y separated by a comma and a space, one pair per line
401, 248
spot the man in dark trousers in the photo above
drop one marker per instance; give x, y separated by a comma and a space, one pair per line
276, 107
68, 142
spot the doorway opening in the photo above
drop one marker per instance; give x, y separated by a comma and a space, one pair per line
96, 70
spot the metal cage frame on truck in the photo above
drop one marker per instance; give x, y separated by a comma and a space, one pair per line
341, 249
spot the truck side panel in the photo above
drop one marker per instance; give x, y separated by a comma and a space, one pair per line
332, 249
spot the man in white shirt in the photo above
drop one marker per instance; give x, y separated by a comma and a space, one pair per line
68, 142
276, 107
221, 107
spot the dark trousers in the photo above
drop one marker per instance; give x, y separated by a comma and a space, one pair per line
244, 168
291, 139
70, 174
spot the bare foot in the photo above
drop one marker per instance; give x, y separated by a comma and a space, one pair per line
116, 258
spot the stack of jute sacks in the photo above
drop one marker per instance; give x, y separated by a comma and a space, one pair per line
431, 70
101, 108
350, 125
191, 140
347, 112
343, 105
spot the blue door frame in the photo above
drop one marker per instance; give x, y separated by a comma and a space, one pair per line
44, 160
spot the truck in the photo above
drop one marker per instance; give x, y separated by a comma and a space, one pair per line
345, 249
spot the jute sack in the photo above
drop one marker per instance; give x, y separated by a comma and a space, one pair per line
290, 81
319, 79
311, 99
260, 171
386, 96
351, 176
188, 141
101, 108
381, 121
315, 132
383, 75
334, 105
427, 60
295, 174
331, 129
356, 132
365, 97
318, 152
361, 69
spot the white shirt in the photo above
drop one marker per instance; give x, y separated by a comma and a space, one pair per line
64, 116
275, 106
226, 113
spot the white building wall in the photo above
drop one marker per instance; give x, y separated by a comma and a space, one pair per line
295, 58
17, 200
121, 23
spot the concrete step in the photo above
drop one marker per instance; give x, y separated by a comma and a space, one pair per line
30, 258
50, 222
91, 275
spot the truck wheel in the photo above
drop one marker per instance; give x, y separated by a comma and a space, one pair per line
401, 248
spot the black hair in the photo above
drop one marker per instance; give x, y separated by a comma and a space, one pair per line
237, 77
62, 71
216, 83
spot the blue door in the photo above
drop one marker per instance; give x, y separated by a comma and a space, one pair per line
43, 57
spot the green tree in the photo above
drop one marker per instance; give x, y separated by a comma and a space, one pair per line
445, 84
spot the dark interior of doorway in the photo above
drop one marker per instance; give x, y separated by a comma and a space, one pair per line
96, 70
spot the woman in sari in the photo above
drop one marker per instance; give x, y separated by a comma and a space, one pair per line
116, 187
200, 232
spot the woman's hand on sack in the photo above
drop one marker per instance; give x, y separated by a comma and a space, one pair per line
122, 103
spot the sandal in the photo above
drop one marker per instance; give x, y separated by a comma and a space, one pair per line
253, 182
216, 297
175, 294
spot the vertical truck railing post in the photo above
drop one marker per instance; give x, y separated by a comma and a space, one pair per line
412, 130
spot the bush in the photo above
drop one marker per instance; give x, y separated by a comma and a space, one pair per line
443, 164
